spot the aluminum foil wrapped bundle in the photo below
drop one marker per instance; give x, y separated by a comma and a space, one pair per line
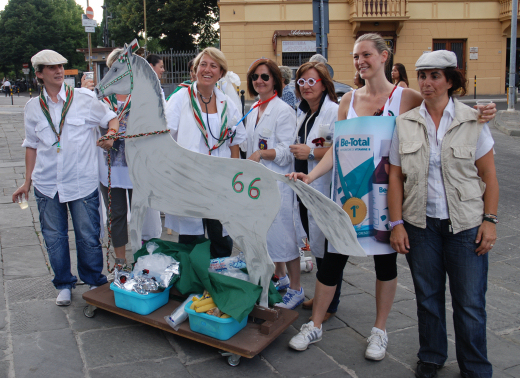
144, 285
170, 275
121, 277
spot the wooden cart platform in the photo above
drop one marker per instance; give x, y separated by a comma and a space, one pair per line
248, 342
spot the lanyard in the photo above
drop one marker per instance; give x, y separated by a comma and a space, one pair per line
259, 103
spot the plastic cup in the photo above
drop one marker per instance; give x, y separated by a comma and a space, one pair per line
23, 204
323, 132
481, 104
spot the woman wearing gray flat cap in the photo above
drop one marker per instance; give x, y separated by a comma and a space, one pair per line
443, 199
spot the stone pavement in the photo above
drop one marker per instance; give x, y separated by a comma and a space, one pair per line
39, 339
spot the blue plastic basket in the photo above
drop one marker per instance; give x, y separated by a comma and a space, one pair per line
139, 303
222, 329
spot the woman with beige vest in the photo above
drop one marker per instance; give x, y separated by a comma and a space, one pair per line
443, 199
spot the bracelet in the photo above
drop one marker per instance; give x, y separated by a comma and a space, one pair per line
396, 223
491, 215
492, 220
109, 130
260, 152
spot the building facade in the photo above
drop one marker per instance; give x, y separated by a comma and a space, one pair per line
478, 31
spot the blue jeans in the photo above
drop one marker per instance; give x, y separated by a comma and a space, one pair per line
86, 222
435, 251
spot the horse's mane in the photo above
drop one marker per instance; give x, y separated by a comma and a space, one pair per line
146, 84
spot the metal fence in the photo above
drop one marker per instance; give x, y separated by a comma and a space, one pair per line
175, 68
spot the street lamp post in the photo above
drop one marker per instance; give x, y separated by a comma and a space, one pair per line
512, 58
89, 48
145, 30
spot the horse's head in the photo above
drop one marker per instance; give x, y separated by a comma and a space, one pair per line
119, 80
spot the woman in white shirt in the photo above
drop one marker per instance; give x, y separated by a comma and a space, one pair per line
270, 130
443, 201
318, 111
197, 121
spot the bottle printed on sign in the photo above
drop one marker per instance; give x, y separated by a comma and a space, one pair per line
380, 216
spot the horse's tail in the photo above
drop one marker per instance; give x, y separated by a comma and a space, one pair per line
332, 220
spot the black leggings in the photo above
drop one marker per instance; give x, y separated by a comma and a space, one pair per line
119, 214
334, 263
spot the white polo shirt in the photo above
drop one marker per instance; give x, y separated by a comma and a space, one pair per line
72, 172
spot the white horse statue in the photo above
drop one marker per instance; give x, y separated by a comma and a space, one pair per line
241, 194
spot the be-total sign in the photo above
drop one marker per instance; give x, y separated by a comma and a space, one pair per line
298, 46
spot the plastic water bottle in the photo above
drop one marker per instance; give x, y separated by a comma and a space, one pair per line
222, 264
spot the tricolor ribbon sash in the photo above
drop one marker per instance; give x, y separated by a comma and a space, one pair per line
224, 130
69, 96
111, 101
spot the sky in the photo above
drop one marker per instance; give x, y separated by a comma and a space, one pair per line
95, 4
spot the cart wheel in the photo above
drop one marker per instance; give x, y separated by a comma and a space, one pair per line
89, 311
233, 360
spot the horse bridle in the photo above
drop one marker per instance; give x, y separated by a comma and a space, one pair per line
122, 59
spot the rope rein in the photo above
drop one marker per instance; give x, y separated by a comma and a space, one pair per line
109, 163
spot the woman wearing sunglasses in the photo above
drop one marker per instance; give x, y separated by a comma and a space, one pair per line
318, 111
270, 130
377, 98
203, 119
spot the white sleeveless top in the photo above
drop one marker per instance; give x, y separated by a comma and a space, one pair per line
391, 108
392, 105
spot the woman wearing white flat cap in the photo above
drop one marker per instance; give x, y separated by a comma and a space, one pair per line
443, 199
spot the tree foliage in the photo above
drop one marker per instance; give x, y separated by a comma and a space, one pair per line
176, 24
28, 26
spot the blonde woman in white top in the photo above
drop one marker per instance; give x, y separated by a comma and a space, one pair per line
202, 105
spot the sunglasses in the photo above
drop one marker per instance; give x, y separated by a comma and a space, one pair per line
301, 82
264, 77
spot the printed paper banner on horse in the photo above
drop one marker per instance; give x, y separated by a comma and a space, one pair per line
361, 149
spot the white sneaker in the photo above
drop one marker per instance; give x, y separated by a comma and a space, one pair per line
63, 298
283, 283
308, 335
377, 343
92, 287
292, 299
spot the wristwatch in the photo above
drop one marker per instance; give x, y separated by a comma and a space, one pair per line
397, 222
311, 154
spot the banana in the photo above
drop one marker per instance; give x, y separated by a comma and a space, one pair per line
205, 308
224, 316
192, 306
204, 302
